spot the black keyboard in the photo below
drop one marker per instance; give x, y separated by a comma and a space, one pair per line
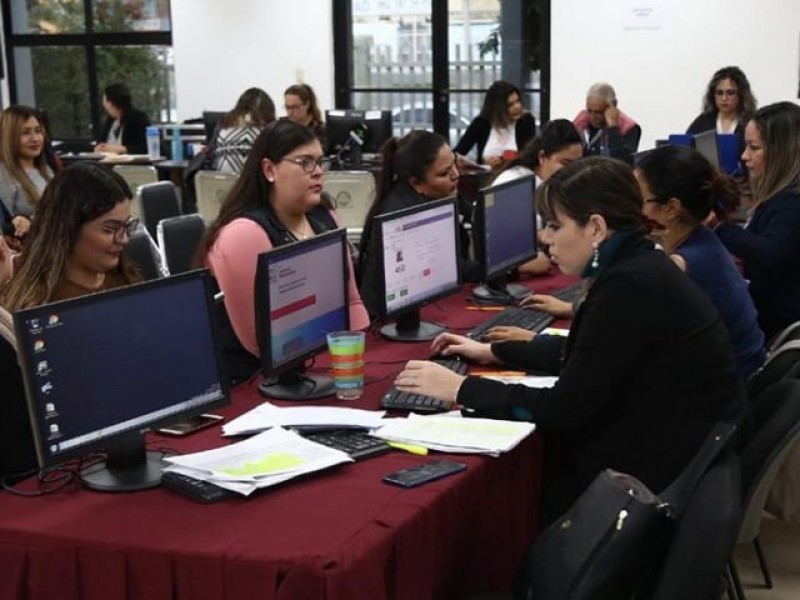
397, 400
355, 442
532, 320
514, 316
199, 491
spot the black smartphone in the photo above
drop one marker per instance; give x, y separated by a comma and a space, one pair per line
429, 471
187, 426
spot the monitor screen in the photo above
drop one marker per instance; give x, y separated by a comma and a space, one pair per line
706, 144
376, 125
419, 254
301, 296
107, 365
507, 219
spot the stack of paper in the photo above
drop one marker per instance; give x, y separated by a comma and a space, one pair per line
268, 415
474, 436
532, 381
258, 462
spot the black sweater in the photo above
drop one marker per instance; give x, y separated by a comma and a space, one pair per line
480, 128
646, 370
134, 131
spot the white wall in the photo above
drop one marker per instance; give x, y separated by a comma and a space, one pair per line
661, 76
223, 48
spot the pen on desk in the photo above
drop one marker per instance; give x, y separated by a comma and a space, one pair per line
487, 308
411, 449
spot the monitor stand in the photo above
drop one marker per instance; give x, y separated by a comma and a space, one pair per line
297, 385
409, 328
128, 467
497, 291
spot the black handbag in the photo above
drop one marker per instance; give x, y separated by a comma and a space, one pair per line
608, 544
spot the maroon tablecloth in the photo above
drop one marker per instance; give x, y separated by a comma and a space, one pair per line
341, 534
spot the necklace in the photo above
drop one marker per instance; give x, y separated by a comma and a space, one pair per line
301, 236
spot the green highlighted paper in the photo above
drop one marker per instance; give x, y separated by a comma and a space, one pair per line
268, 465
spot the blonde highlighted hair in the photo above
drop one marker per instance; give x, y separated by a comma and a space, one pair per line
12, 122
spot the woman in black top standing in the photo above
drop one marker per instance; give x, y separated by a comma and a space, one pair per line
502, 127
647, 368
125, 128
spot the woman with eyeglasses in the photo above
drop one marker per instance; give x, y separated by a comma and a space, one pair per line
416, 168
24, 172
75, 247
277, 200
302, 107
679, 186
728, 104
647, 368
769, 246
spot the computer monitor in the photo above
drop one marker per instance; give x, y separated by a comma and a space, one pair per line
103, 369
300, 296
211, 119
418, 252
504, 231
351, 133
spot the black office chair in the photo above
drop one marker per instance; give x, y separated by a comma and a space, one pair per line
781, 364
159, 201
178, 239
694, 565
791, 333
143, 254
775, 415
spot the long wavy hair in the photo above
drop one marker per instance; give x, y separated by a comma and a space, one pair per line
495, 103
747, 101
12, 122
779, 125
253, 108
80, 193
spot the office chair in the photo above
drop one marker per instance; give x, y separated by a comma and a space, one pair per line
352, 194
212, 188
159, 201
776, 418
791, 333
704, 537
142, 252
178, 239
136, 176
781, 364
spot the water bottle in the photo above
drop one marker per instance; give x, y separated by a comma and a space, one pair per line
177, 143
153, 143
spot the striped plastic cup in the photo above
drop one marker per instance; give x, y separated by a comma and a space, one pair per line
347, 362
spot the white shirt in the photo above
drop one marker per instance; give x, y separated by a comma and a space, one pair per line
721, 128
500, 140
115, 139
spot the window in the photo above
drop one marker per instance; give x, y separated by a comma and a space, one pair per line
62, 53
431, 61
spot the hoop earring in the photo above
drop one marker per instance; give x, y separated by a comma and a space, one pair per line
596, 255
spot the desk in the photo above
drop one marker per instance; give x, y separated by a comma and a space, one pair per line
341, 534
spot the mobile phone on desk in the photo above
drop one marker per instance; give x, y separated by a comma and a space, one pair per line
188, 426
429, 471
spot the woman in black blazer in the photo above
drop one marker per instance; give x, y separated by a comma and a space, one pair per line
125, 128
647, 368
502, 125
727, 106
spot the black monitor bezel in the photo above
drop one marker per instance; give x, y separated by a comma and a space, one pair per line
27, 363
401, 214
360, 117
262, 302
479, 229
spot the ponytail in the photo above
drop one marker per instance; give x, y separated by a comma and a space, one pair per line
724, 193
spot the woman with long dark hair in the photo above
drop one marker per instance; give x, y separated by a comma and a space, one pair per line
125, 128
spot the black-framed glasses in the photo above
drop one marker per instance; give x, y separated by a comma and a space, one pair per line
128, 226
728, 93
309, 163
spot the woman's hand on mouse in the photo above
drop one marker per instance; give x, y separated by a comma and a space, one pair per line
430, 379
450, 344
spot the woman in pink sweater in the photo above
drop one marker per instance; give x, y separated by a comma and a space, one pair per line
277, 200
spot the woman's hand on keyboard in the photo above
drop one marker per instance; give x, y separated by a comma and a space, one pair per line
429, 379
450, 344
503, 333
549, 304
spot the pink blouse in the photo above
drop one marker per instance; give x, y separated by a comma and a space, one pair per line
233, 260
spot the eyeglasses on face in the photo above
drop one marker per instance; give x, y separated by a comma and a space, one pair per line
729, 93
309, 163
117, 228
